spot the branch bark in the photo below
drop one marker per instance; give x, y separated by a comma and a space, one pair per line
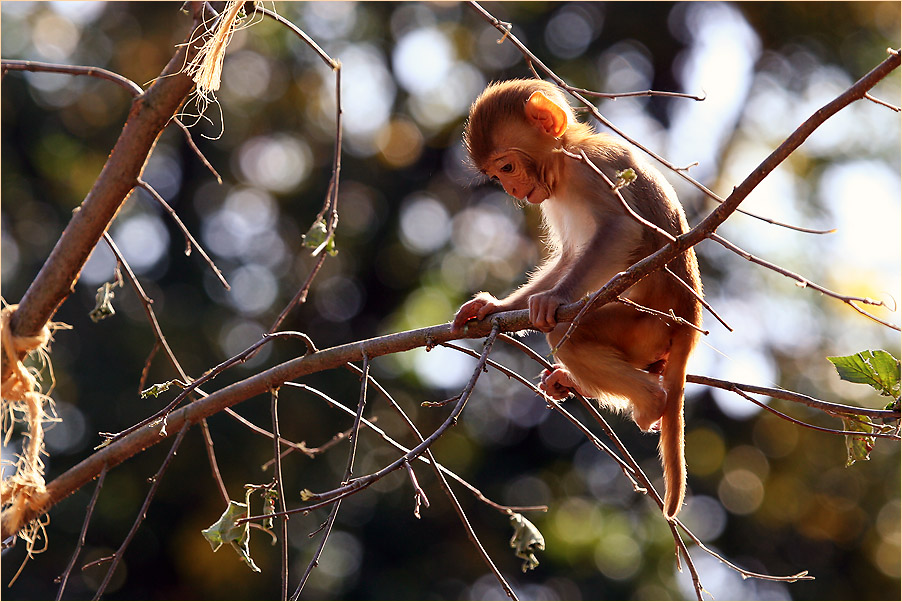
150, 113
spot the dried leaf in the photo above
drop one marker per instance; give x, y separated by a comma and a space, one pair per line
526, 540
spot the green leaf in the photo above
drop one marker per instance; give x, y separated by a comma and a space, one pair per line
103, 307
226, 531
316, 239
626, 177
878, 369
526, 540
156, 389
858, 448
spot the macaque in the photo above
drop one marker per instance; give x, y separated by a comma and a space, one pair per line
524, 135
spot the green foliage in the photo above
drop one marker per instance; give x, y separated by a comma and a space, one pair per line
225, 530
316, 239
158, 388
878, 369
858, 448
625, 177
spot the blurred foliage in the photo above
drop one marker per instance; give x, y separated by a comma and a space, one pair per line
419, 233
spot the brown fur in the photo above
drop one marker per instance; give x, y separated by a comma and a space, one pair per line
627, 359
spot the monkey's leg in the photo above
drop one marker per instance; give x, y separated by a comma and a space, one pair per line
595, 361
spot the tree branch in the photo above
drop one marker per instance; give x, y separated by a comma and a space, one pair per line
150, 113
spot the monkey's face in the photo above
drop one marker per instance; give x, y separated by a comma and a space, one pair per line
517, 173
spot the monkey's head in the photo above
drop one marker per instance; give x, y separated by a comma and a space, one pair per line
512, 130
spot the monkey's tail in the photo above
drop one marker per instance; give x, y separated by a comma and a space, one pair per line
671, 445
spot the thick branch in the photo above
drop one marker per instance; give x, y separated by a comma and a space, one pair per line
150, 113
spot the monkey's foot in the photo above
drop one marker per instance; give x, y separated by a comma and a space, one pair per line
647, 413
557, 383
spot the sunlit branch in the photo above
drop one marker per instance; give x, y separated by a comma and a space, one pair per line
805, 283
616, 95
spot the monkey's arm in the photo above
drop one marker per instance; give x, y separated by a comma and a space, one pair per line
606, 254
483, 304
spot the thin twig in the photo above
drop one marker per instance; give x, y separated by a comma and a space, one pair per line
746, 574
214, 465
194, 384
122, 81
277, 475
261, 431
428, 457
805, 283
698, 297
822, 429
161, 342
825, 406
616, 95
189, 239
155, 482
671, 317
193, 146
883, 103
330, 522
331, 204
89, 511
419, 496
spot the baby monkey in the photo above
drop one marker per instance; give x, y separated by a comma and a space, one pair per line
524, 135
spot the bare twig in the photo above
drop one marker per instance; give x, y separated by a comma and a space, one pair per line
822, 429
615, 96
671, 317
190, 387
277, 459
155, 482
825, 406
331, 204
120, 80
193, 146
419, 496
426, 458
883, 103
150, 113
330, 522
805, 283
89, 511
214, 465
699, 297
189, 239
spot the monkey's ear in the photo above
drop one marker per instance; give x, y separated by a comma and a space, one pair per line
546, 114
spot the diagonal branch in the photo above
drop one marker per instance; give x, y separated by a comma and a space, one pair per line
150, 113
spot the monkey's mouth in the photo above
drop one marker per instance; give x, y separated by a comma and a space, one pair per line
529, 198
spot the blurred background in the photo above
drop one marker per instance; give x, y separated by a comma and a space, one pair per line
418, 234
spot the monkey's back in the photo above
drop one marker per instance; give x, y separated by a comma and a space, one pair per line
655, 290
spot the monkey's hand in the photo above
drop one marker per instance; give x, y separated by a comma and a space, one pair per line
476, 308
542, 309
